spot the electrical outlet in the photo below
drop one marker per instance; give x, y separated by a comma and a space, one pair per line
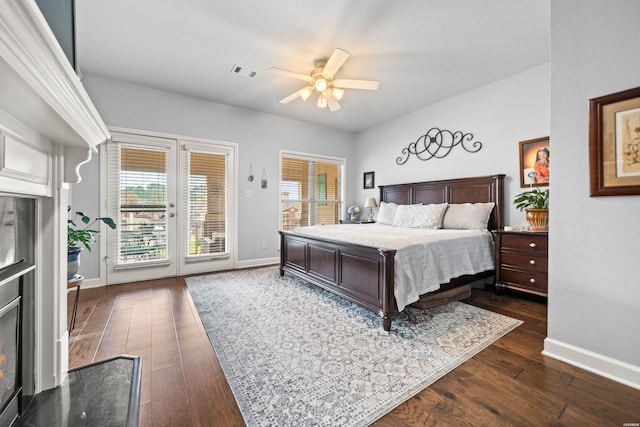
248, 194
264, 245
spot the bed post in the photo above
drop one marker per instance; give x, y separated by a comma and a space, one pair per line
282, 253
498, 189
388, 297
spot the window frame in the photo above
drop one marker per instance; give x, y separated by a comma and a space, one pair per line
342, 164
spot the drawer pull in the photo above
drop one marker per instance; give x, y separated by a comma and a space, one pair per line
532, 280
532, 245
532, 261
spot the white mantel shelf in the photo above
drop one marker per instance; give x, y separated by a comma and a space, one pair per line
40, 87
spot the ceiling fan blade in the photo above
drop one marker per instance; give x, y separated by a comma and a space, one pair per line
333, 103
291, 97
356, 84
305, 77
335, 62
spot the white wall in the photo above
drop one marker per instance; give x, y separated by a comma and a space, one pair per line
499, 115
259, 137
594, 265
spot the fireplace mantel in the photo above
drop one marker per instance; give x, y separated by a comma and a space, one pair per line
48, 128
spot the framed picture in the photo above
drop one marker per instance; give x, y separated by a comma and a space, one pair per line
614, 144
369, 180
534, 162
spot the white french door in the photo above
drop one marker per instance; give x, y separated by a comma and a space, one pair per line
172, 200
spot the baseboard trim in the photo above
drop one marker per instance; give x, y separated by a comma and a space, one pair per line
91, 283
258, 262
613, 369
96, 282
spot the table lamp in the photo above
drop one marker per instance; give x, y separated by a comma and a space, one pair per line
370, 203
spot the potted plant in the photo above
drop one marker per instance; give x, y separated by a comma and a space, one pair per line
81, 233
536, 205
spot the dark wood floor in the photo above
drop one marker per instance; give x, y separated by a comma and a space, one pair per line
508, 384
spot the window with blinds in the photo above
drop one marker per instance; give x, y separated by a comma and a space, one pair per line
207, 203
142, 227
311, 190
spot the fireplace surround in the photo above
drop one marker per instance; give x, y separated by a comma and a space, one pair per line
17, 302
16, 340
48, 128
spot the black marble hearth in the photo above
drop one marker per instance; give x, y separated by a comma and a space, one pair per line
106, 393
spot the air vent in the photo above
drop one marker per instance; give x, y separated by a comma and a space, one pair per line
243, 71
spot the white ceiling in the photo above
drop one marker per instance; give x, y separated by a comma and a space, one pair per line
421, 51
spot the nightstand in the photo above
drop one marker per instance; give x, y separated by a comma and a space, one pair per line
348, 221
521, 261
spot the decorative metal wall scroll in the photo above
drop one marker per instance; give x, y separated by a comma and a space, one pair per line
438, 143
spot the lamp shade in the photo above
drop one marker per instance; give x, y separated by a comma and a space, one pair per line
322, 101
306, 93
370, 203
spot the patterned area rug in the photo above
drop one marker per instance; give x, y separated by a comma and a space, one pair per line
296, 355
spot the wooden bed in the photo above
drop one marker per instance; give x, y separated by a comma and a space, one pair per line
364, 275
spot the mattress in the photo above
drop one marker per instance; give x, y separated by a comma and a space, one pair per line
424, 258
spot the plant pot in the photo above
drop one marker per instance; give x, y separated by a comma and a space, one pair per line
73, 261
354, 217
538, 219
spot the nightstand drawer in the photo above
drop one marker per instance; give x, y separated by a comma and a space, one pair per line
534, 279
525, 261
525, 241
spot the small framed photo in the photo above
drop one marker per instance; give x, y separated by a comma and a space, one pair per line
534, 162
369, 180
614, 144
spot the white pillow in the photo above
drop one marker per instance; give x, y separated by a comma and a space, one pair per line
430, 216
420, 216
386, 213
467, 216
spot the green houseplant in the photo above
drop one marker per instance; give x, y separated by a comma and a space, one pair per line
80, 231
535, 203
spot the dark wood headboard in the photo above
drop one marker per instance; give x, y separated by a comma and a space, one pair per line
479, 189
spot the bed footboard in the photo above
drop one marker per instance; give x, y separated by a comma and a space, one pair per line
361, 274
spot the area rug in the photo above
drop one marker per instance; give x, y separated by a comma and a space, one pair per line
297, 355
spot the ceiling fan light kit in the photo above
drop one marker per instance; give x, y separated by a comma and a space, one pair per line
306, 93
321, 79
320, 85
322, 101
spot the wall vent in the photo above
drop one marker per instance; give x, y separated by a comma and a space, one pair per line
243, 71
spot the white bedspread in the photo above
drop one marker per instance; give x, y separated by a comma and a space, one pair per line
424, 258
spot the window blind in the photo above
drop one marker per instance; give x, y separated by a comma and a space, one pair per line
137, 199
311, 190
207, 201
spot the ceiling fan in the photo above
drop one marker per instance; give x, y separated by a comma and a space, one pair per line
322, 79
